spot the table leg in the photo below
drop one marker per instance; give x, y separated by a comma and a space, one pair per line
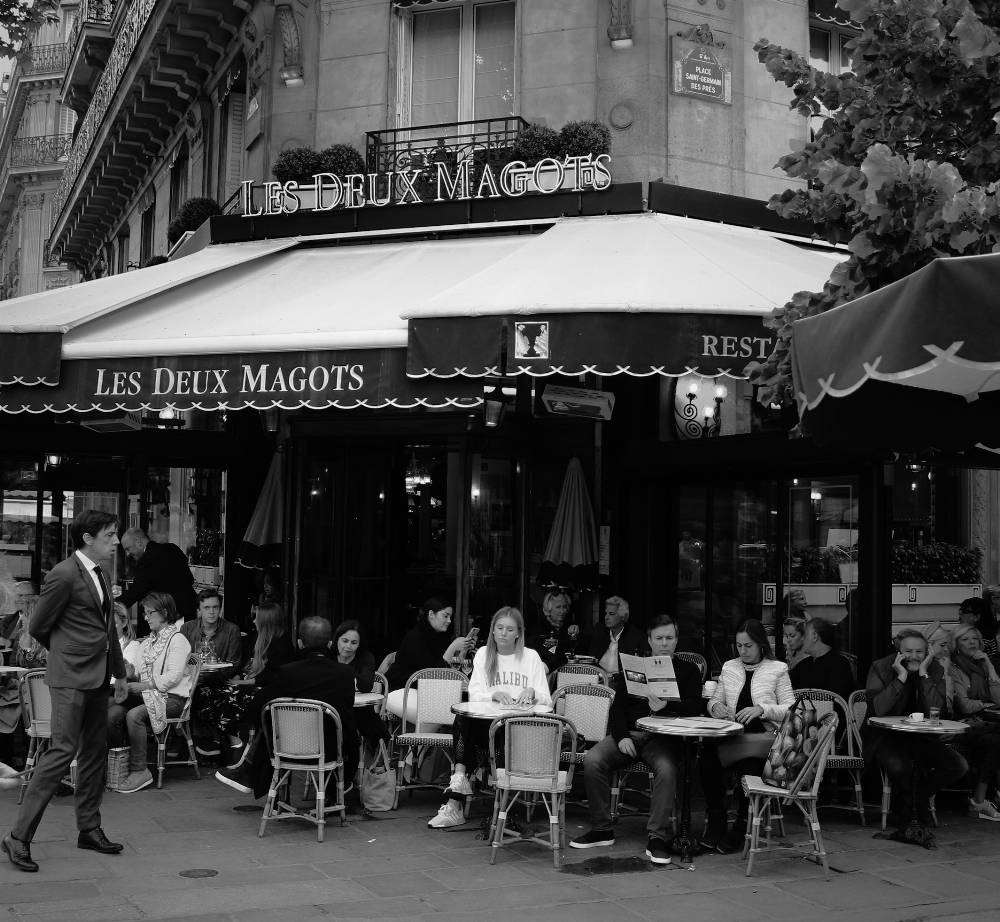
685, 844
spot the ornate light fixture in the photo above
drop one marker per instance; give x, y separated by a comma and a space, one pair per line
692, 424
620, 30
416, 476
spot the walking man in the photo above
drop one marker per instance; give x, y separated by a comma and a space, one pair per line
73, 621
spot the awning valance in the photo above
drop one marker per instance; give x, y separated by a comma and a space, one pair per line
828, 11
638, 294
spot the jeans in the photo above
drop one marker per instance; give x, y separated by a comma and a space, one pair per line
132, 713
660, 754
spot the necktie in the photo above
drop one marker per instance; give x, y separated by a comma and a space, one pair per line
106, 604
609, 662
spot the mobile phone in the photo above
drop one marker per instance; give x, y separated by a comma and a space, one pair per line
473, 635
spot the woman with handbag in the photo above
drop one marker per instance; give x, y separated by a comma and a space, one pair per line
755, 690
976, 688
162, 686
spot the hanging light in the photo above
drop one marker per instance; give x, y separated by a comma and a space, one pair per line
416, 476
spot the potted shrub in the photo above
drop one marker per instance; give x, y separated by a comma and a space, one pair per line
299, 164
577, 139
534, 143
190, 216
341, 159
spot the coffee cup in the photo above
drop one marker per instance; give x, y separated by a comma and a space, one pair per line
917, 716
710, 688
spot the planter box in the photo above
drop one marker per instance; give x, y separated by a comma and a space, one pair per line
207, 576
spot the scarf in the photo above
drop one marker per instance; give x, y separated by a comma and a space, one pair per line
153, 647
979, 683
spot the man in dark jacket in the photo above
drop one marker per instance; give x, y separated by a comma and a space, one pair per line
316, 675
615, 637
158, 568
625, 744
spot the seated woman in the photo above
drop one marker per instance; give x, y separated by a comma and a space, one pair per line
557, 638
427, 645
625, 744
823, 666
224, 708
159, 690
910, 680
755, 690
504, 671
793, 636
127, 639
350, 653
976, 688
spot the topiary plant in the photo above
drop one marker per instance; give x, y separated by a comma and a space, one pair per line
936, 562
341, 159
536, 142
190, 216
297, 163
577, 139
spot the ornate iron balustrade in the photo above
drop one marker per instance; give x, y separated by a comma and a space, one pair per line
43, 59
92, 13
35, 151
421, 146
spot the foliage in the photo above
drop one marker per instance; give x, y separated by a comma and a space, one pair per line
821, 564
299, 164
905, 161
536, 142
341, 159
577, 139
20, 18
206, 549
190, 216
936, 562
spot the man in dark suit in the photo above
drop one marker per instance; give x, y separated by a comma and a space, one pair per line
617, 636
316, 675
73, 621
159, 567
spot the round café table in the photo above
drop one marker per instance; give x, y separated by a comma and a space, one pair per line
913, 831
688, 730
13, 670
490, 710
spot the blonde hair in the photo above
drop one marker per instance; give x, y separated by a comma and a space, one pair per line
961, 631
270, 626
129, 632
492, 652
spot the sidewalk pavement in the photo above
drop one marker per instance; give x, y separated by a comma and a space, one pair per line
192, 852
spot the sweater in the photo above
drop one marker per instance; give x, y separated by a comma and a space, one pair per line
770, 690
830, 672
514, 674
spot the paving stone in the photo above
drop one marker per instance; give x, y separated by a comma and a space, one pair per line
517, 898
40, 890
413, 883
856, 891
944, 882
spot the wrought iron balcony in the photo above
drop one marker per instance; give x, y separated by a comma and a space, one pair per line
421, 146
43, 59
92, 13
36, 151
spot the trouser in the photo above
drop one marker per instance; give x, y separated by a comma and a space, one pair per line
937, 765
660, 754
982, 741
746, 756
79, 725
133, 715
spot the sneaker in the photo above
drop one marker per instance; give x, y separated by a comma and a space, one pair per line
450, 814
136, 781
237, 778
207, 749
985, 811
593, 839
656, 851
459, 784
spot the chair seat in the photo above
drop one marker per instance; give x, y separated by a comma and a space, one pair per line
506, 781
577, 757
754, 784
425, 739
305, 764
845, 763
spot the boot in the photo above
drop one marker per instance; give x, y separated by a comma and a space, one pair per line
715, 830
734, 840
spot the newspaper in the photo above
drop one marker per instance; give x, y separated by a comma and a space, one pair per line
652, 673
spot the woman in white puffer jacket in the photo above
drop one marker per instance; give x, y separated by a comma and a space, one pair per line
755, 690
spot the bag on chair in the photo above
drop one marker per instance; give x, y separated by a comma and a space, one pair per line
118, 759
796, 739
378, 781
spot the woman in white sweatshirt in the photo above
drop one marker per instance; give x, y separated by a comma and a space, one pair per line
504, 671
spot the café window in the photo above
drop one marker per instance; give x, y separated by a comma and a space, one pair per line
178, 180
459, 63
148, 229
828, 49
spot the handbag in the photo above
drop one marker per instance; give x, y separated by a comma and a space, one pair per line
118, 760
378, 782
796, 739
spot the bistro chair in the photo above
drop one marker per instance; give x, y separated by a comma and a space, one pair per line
845, 753
36, 715
697, 659
383, 667
381, 686
803, 794
852, 661
436, 691
587, 707
533, 749
298, 744
180, 724
580, 674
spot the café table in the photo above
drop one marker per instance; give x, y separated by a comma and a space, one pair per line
913, 832
688, 730
208, 668
491, 710
367, 699
13, 670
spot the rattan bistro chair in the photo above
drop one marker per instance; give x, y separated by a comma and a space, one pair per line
587, 707
533, 747
580, 674
36, 715
297, 744
695, 658
436, 691
180, 724
381, 687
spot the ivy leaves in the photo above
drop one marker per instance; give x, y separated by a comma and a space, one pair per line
904, 165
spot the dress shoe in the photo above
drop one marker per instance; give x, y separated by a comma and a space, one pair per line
19, 853
97, 841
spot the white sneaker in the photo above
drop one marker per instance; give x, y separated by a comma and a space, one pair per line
450, 814
459, 784
985, 810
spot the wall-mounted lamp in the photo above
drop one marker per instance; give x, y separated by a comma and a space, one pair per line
52, 461
620, 30
271, 418
497, 393
686, 410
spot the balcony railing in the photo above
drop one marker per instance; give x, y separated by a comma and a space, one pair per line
36, 151
421, 146
92, 13
43, 59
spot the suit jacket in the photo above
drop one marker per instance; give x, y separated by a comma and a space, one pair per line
163, 568
70, 622
632, 641
626, 709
